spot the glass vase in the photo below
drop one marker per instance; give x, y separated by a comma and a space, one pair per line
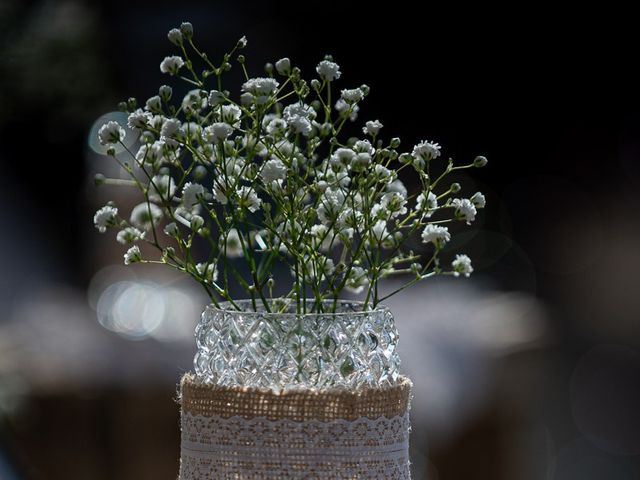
284, 350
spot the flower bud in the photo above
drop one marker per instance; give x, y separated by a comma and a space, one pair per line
283, 66
365, 89
241, 59
147, 137
196, 223
268, 68
99, 179
315, 84
186, 29
165, 93
175, 36
395, 142
405, 158
480, 161
455, 187
226, 66
199, 172
132, 103
111, 152
122, 106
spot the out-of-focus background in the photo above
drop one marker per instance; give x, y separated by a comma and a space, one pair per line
530, 370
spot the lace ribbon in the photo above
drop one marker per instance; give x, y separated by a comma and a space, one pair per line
215, 447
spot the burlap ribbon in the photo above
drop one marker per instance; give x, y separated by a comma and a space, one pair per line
251, 434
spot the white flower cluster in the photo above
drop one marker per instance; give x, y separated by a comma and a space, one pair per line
268, 179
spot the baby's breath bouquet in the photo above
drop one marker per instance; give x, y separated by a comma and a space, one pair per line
235, 186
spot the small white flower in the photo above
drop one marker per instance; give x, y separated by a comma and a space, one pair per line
146, 215
427, 203
331, 204
372, 127
105, 217
383, 173
364, 146
322, 238
261, 86
342, 157
462, 266
138, 120
352, 95
425, 152
436, 234
197, 222
153, 153
191, 194
300, 124
194, 101
379, 231
246, 99
273, 170
242, 42
231, 114
162, 188
249, 199
322, 266
328, 71
175, 36
129, 235
218, 131
171, 229
465, 210
154, 104
276, 127
170, 128
233, 246
171, 65
478, 200
397, 186
299, 116
132, 255
356, 280
283, 66
215, 98
343, 108
208, 272
111, 132
394, 203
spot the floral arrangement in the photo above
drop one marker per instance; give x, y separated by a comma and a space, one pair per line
265, 178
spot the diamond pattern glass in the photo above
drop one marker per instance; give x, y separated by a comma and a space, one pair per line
350, 348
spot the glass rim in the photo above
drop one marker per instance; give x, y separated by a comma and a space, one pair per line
227, 307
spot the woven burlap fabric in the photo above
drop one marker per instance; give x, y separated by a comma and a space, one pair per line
297, 405
252, 434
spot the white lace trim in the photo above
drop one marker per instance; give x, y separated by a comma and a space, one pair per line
224, 448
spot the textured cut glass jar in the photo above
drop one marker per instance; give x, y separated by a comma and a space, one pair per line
350, 348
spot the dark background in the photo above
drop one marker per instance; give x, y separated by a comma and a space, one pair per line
550, 97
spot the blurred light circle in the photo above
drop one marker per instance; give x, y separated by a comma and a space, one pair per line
131, 309
120, 117
605, 398
104, 278
182, 314
138, 310
106, 300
